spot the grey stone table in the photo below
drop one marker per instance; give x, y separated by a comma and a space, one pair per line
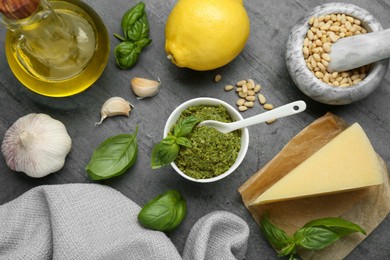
262, 59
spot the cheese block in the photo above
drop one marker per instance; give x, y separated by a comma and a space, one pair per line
347, 162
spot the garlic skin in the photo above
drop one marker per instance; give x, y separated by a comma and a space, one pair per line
36, 144
144, 88
115, 106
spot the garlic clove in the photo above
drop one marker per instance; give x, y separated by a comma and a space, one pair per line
113, 107
145, 87
37, 145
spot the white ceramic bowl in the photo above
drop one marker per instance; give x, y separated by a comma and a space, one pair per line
305, 79
235, 116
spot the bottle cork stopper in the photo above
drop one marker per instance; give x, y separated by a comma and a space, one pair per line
18, 9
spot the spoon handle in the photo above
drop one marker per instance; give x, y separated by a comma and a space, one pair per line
359, 50
285, 110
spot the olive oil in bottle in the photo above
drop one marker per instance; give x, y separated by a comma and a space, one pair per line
55, 48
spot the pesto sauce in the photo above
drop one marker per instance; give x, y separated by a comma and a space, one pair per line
212, 152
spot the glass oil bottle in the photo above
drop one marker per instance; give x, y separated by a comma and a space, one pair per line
55, 48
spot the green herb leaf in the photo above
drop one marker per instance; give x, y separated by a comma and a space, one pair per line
144, 42
183, 141
126, 54
339, 226
170, 140
314, 238
276, 236
131, 16
185, 126
135, 28
139, 30
163, 154
288, 250
165, 212
113, 156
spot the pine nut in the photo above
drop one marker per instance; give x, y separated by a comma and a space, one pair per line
250, 84
326, 46
270, 121
244, 89
242, 108
242, 94
356, 81
250, 98
240, 102
317, 57
268, 106
319, 74
217, 77
249, 104
257, 88
229, 87
240, 83
325, 56
251, 93
238, 89
262, 99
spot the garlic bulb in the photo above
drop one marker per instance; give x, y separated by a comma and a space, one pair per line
114, 106
145, 87
36, 144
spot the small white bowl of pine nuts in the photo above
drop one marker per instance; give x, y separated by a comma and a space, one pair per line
308, 48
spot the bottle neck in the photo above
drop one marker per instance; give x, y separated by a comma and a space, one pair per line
26, 15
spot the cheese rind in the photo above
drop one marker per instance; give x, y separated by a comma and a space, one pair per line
347, 162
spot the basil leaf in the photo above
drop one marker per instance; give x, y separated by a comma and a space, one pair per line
276, 236
185, 126
165, 212
314, 238
113, 156
339, 226
135, 28
126, 54
131, 16
144, 42
139, 30
170, 140
183, 141
287, 250
163, 154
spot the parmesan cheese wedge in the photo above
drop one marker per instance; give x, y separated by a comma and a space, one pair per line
347, 162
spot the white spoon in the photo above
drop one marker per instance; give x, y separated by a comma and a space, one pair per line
286, 110
359, 50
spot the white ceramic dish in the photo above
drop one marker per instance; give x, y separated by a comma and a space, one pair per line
235, 116
305, 79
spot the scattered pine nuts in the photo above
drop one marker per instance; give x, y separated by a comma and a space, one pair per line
323, 32
248, 91
229, 87
217, 77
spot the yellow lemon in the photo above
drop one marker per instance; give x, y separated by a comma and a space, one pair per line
206, 34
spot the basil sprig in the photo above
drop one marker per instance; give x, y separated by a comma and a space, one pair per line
168, 149
165, 212
314, 235
113, 157
135, 27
